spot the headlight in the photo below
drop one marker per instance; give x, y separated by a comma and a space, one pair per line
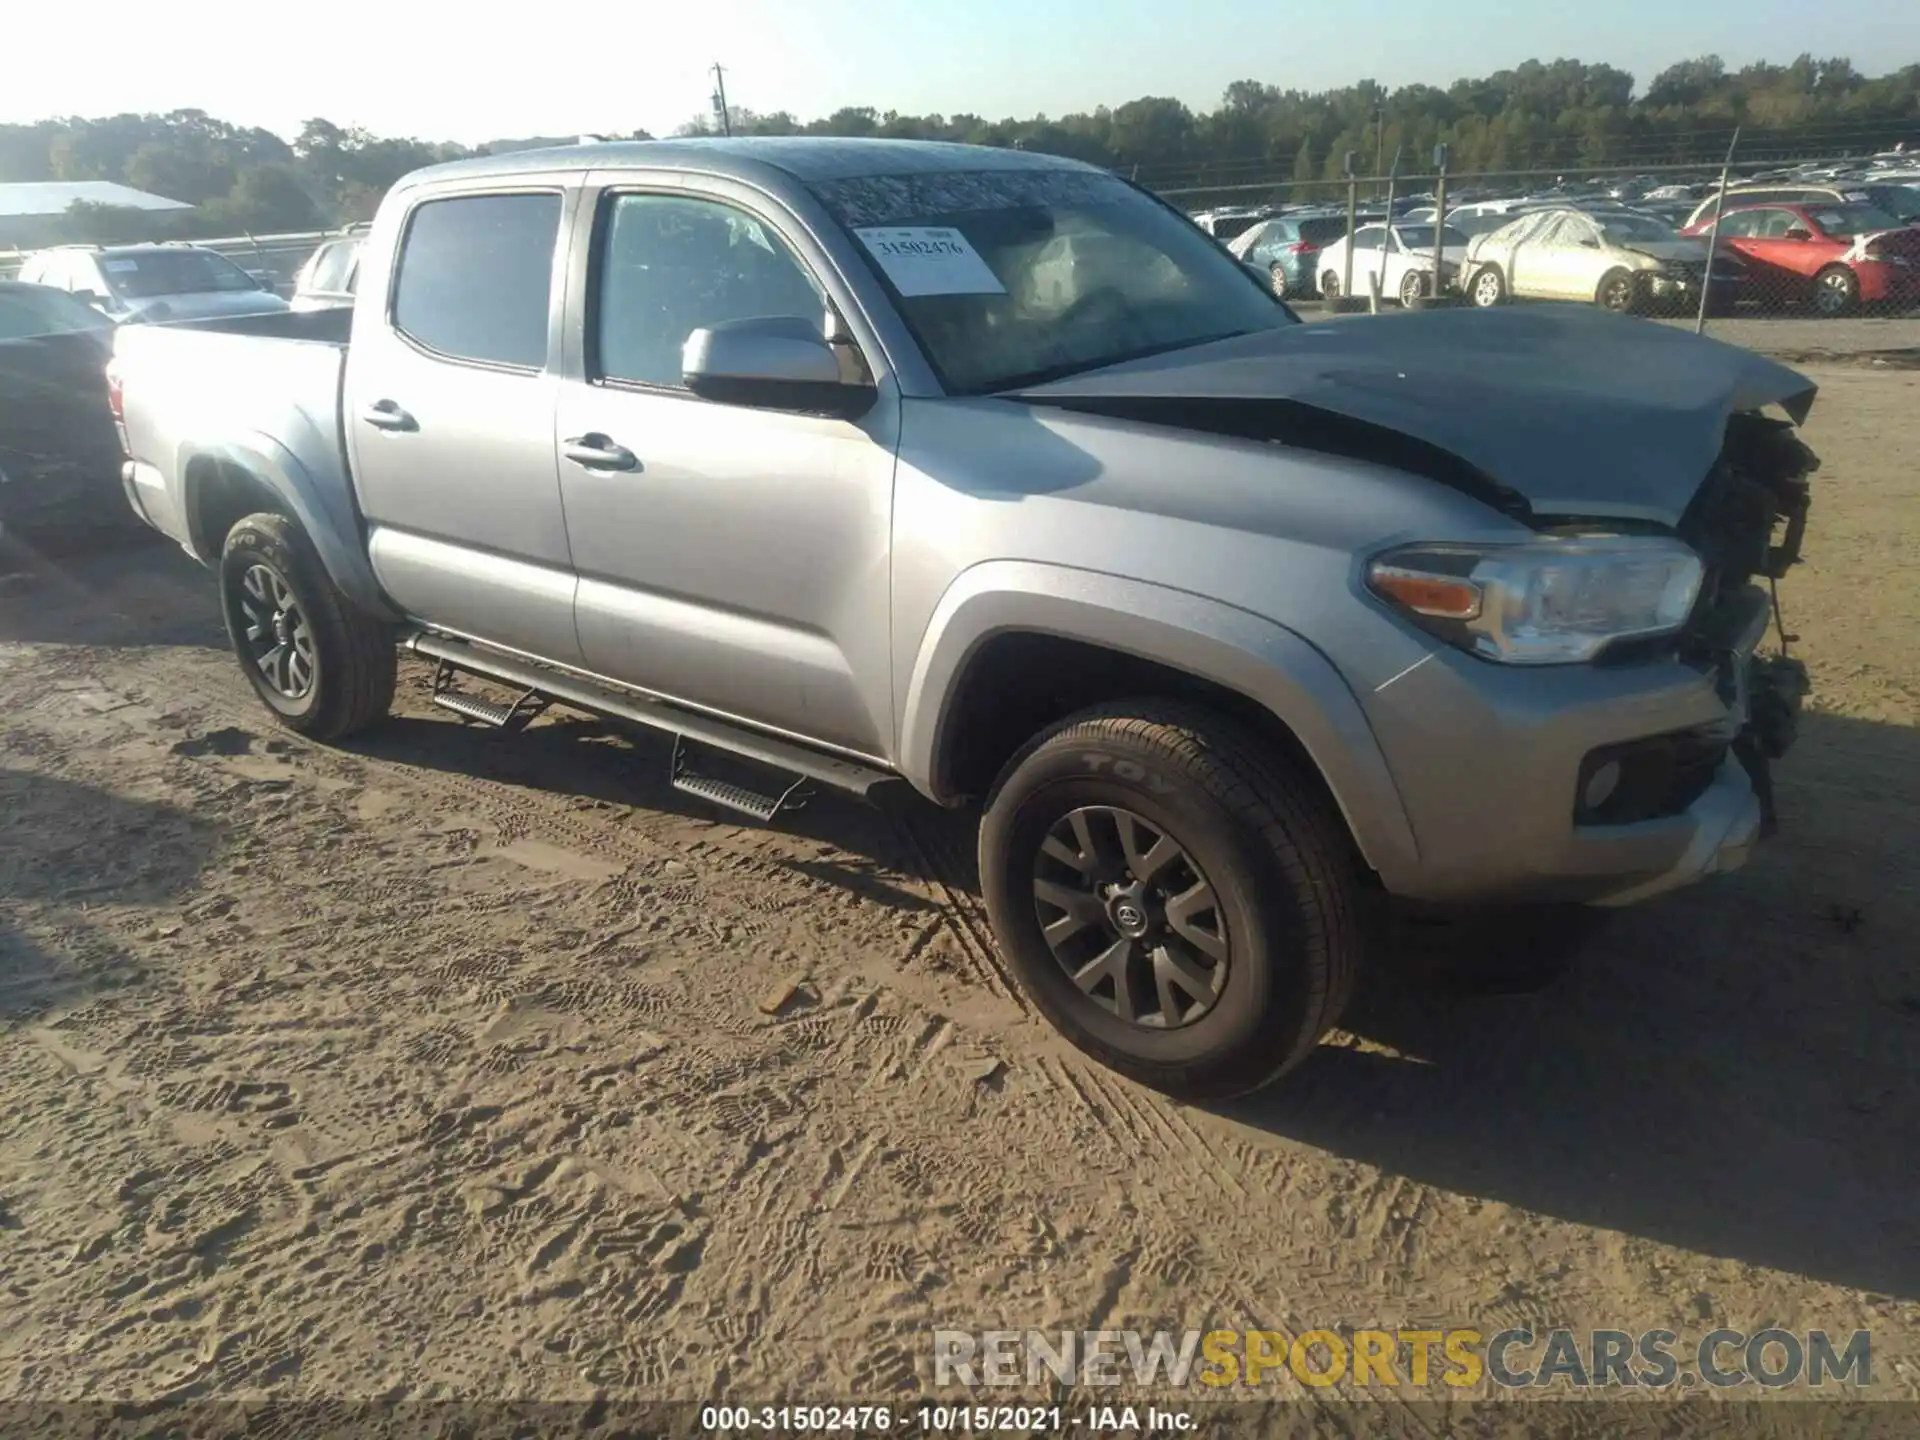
1546, 602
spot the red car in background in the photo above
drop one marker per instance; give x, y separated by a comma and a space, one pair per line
1834, 257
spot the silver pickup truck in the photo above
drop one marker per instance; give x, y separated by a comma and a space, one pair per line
853, 464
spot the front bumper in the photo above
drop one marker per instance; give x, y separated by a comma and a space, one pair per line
1489, 763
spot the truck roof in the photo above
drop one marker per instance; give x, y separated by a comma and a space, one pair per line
809, 159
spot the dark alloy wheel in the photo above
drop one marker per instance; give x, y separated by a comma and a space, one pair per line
324, 667
278, 640
1173, 894
1130, 917
1616, 292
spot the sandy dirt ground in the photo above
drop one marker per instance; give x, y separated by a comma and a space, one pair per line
456, 1064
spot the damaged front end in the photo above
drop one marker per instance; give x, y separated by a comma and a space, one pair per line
1748, 522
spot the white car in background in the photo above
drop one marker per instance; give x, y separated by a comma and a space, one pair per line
1616, 259
1401, 255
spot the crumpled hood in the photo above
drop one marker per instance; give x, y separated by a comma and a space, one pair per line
1682, 248
1577, 411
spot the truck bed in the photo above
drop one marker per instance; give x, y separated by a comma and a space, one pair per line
256, 394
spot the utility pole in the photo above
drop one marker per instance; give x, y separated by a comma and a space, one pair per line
1379, 137
720, 99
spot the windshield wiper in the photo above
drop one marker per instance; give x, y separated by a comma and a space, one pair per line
1081, 367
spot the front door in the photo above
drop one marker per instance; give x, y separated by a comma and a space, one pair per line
736, 560
449, 418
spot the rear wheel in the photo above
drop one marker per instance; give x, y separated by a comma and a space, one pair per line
1836, 291
1278, 274
1330, 286
1172, 897
1489, 287
321, 666
1413, 288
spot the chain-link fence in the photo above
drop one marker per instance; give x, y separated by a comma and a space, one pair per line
1819, 257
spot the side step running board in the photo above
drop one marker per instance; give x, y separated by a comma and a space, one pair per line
761, 807
540, 685
517, 716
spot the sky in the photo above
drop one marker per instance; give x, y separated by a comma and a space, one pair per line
493, 70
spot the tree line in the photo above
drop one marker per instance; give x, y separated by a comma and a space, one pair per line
1535, 116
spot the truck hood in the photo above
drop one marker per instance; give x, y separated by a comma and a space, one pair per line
1548, 410
158, 309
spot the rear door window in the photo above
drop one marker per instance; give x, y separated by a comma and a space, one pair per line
476, 277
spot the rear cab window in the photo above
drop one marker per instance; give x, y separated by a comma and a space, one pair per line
475, 279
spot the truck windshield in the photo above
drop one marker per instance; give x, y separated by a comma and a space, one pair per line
1014, 277
149, 273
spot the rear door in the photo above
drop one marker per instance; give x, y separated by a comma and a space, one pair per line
1566, 258
1512, 247
449, 417
1784, 264
1368, 256
733, 559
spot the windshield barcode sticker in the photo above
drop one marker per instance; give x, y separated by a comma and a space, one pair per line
930, 260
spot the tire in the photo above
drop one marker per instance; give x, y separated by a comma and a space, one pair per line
274, 595
1836, 292
1329, 286
1261, 983
1616, 292
1488, 288
1413, 289
1278, 275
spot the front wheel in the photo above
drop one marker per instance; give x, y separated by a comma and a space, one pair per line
1413, 288
321, 666
1616, 292
1278, 275
1330, 286
1489, 288
1175, 899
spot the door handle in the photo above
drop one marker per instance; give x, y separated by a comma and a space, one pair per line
385, 415
597, 452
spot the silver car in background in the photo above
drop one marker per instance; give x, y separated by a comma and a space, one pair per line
131, 284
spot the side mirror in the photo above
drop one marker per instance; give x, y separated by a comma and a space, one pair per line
772, 363
265, 280
1590, 243
1799, 233
91, 297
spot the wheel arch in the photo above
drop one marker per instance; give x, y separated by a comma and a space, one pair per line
1014, 646
221, 485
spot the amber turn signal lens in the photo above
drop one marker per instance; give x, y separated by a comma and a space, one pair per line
1444, 597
